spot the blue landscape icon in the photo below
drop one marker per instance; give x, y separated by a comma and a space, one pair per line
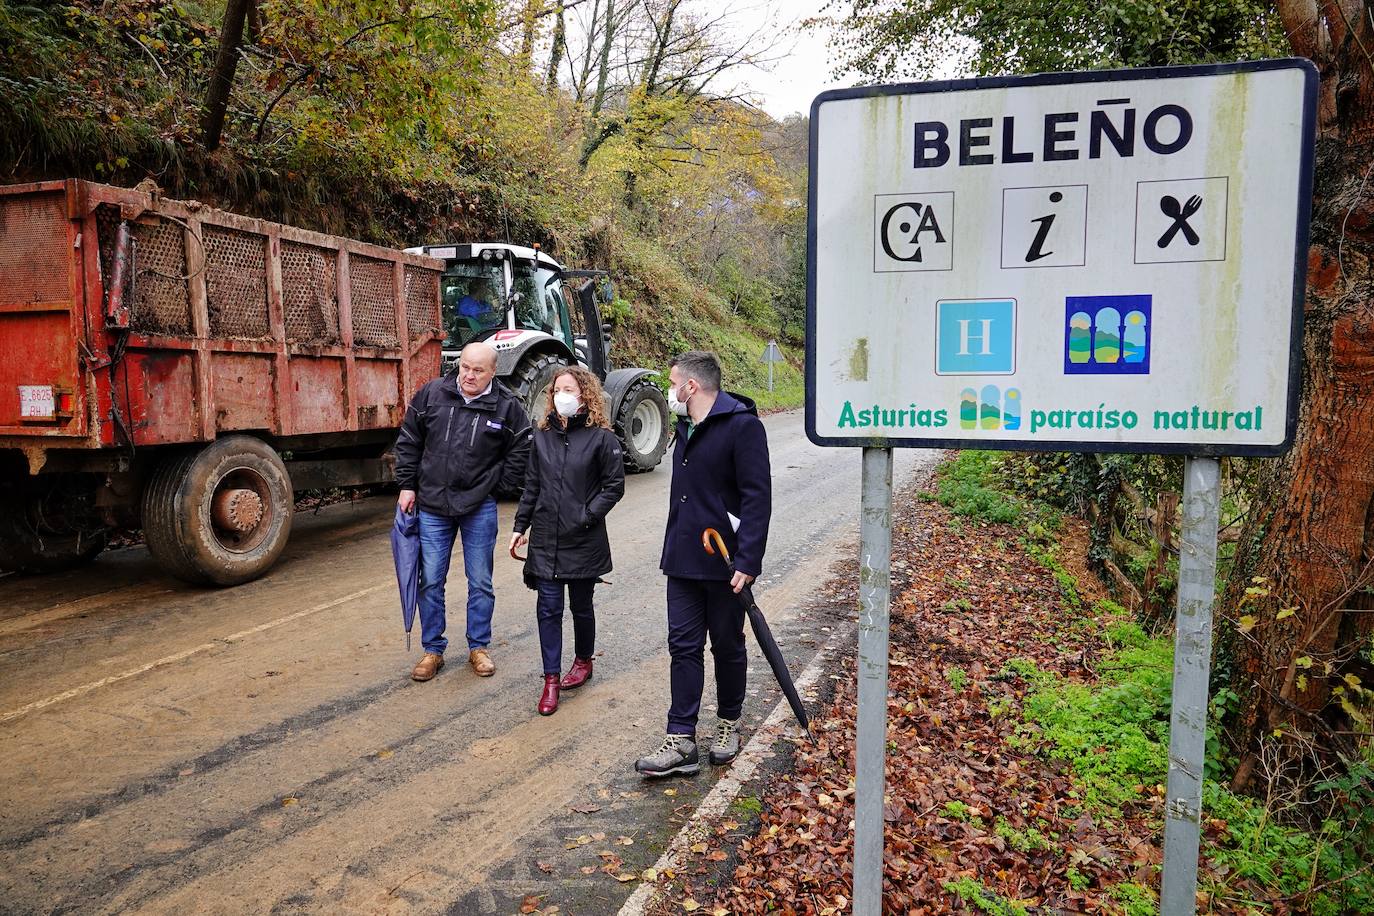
1107, 335
975, 337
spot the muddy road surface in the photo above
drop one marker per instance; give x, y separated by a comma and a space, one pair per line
169, 749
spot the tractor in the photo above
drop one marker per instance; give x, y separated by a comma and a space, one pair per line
517, 300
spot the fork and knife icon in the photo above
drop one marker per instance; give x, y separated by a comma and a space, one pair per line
1179, 213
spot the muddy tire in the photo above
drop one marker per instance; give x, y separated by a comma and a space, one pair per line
220, 515
642, 426
531, 380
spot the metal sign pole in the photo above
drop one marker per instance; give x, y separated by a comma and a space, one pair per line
875, 555
770, 375
1197, 563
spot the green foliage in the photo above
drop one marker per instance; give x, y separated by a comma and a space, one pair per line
975, 895
1027, 840
883, 39
1136, 900
955, 810
1114, 735
957, 678
964, 486
1322, 868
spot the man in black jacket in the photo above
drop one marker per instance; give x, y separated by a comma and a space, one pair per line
465, 437
721, 480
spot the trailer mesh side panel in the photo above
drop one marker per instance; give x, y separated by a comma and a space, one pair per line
236, 283
422, 302
161, 303
35, 259
374, 302
310, 293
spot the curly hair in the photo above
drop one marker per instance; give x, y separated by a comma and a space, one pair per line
593, 398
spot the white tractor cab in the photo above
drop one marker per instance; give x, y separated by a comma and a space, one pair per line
517, 300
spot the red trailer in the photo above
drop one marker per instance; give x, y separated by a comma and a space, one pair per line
175, 367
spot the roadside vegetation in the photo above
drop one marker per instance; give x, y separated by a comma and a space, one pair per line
1028, 747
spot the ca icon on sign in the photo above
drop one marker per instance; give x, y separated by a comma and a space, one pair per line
913, 231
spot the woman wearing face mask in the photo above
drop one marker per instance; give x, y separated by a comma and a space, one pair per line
576, 474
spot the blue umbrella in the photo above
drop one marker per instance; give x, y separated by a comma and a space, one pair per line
405, 549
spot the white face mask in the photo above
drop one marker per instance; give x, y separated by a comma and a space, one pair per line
566, 403
676, 406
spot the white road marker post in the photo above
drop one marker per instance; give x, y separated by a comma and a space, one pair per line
870, 741
1197, 565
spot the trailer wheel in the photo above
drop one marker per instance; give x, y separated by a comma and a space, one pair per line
642, 425
531, 380
220, 515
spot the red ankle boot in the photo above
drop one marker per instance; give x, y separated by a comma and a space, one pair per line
579, 674
548, 700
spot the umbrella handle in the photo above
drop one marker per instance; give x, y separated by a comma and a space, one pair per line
516, 556
709, 535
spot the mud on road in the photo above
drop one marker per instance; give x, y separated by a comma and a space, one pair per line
262, 749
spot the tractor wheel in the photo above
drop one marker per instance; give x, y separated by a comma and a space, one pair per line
531, 380
220, 515
642, 425
44, 533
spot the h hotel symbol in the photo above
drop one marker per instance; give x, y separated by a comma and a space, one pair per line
985, 337
975, 337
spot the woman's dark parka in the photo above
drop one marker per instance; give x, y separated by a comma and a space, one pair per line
575, 476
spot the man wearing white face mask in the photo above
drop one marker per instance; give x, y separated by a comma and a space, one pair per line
576, 474
721, 480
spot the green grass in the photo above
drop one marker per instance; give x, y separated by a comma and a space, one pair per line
964, 486
978, 897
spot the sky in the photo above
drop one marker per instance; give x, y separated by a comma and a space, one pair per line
789, 85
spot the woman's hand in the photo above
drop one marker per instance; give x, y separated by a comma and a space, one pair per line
518, 540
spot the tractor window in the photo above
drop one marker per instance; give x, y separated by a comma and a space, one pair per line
541, 306
473, 296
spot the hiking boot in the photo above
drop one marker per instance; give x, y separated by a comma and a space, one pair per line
677, 756
427, 667
548, 700
579, 674
481, 663
725, 746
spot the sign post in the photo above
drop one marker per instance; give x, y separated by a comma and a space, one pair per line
870, 739
1111, 261
771, 355
1197, 565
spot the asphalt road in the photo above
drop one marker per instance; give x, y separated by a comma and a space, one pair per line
262, 749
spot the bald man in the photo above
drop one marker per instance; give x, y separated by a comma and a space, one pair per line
464, 439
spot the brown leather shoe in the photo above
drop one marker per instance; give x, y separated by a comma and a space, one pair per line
481, 663
427, 667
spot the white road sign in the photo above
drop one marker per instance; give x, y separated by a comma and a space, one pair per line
1109, 261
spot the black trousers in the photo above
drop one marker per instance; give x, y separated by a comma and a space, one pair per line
549, 610
698, 608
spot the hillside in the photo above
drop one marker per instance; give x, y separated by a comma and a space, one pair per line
406, 123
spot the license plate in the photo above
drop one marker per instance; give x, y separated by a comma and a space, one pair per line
37, 402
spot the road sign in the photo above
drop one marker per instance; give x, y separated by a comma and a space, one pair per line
771, 355
1107, 261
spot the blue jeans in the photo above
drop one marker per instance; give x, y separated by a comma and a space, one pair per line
437, 534
549, 610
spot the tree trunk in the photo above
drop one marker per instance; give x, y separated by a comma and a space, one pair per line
603, 68
560, 46
1310, 535
222, 77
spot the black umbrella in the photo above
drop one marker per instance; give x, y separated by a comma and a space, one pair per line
712, 541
